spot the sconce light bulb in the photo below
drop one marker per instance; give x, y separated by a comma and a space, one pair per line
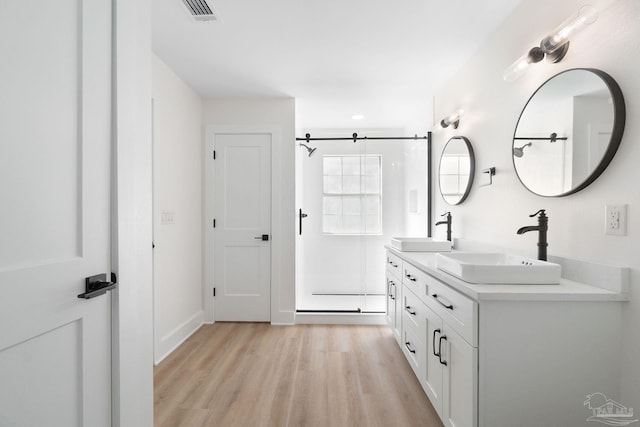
585, 16
518, 68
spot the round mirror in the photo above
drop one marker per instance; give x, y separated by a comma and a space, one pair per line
568, 132
457, 165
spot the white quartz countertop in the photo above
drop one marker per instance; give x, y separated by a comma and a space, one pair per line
566, 290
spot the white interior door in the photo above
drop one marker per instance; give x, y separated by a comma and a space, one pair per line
242, 236
55, 138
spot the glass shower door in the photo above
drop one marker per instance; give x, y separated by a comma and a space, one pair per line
350, 219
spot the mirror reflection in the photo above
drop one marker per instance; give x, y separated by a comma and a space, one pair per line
568, 132
457, 165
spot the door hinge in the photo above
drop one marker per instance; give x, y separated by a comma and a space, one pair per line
214, 154
214, 223
214, 292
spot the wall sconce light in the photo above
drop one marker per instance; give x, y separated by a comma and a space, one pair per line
554, 46
452, 119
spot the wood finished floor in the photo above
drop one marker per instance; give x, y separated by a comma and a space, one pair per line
255, 374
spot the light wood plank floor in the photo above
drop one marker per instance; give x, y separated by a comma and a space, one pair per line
255, 374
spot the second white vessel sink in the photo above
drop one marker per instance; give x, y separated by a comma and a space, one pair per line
478, 267
420, 244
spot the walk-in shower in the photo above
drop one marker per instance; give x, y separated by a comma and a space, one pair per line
352, 198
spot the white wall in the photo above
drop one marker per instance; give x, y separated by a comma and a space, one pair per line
492, 214
177, 194
279, 113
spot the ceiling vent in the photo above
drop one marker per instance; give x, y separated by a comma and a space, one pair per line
200, 10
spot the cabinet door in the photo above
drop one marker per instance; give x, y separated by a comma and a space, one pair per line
460, 390
391, 305
394, 315
432, 382
397, 295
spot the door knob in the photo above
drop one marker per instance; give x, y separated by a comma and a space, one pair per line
98, 285
264, 237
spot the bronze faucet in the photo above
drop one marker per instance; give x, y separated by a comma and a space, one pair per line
541, 228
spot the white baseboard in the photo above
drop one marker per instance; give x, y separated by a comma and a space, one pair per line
173, 339
284, 318
340, 319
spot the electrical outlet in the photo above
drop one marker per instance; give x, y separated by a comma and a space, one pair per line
615, 220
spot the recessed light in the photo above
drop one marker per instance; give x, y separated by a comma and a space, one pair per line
357, 117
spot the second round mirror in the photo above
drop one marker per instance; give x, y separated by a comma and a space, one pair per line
457, 167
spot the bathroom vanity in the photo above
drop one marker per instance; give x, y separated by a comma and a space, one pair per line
505, 355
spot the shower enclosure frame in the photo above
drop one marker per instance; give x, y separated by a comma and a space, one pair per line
429, 187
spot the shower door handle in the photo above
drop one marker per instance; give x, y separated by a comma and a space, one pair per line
301, 215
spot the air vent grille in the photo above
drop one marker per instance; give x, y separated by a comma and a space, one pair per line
200, 10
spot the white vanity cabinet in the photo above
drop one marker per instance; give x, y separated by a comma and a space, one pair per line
508, 355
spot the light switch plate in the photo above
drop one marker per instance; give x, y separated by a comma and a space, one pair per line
167, 217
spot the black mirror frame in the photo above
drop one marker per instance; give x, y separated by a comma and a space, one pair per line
619, 118
472, 170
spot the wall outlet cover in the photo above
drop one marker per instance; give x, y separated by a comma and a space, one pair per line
615, 220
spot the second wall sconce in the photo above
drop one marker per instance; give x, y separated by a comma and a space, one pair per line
452, 120
554, 46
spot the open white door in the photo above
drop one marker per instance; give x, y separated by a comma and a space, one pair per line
242, 236
55, 160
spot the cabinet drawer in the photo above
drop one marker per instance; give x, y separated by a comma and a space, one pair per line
394, 264
415, 351
458, 311
415, 279
414, 311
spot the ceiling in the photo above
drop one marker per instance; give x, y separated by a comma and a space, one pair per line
336, 58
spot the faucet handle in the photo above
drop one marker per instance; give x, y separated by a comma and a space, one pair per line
446, 213
541, 212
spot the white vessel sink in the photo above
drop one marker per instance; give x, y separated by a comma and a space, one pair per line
477, 267
420, 244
